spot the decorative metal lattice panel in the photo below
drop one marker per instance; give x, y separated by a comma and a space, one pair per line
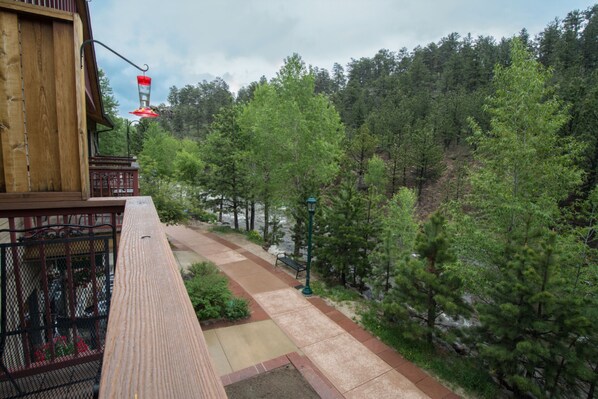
55, 285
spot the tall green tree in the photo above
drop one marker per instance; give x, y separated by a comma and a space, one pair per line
343, 231
534, 332
114, 141
523, 167
298, 134
396, 242
225, 152
426, 287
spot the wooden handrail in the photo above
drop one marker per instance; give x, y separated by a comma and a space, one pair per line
154, 347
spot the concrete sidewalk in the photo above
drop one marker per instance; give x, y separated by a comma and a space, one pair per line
355, 362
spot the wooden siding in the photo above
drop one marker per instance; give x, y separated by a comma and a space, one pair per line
44, 130
39, 90
154, 347
12, 125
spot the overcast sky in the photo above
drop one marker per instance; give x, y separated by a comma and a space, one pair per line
187, 41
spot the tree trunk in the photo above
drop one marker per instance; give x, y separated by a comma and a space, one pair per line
252, 223
431, 322
393, 186
247, 216
431, 316
266, 221
387, 285
236, 212
220, 211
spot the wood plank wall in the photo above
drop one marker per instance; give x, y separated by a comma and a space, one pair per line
42, 148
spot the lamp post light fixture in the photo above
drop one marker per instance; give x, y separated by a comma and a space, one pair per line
311, 209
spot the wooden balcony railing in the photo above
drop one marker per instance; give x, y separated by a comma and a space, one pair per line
113, 177
62, 5
154, 346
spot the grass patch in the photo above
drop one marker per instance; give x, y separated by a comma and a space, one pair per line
467, 373
337, 293
251, 235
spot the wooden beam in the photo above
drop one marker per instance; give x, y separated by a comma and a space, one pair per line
66, 107
81, 115
31, 10
154, 345
12, 126
15, 205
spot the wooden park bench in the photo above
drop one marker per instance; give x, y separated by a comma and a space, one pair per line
293, 264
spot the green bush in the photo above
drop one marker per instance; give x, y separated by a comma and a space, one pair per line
201, 214
202, 269
254, 237
237, 308
210, 296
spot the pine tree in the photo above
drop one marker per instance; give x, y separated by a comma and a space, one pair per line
426, 287
397, 240
532, 333
342, 243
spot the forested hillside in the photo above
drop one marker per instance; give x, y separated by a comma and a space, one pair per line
456, 186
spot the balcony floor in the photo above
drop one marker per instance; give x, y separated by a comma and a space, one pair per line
352, 361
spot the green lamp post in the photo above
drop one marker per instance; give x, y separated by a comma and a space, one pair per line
311, 208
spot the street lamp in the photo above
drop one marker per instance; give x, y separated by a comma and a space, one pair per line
311, 208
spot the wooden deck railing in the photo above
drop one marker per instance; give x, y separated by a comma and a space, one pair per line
154, 346
62, 5
113, 177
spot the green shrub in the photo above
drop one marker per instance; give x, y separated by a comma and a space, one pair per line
202, 269
201, 214
254, 237
210, 296
237, 308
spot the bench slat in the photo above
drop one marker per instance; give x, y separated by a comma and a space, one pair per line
293, 264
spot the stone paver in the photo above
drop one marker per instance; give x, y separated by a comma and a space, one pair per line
241, 269
390, 385
221, 363
345, 361
249, 344
307, 325
260, 282
222, 258
281, 301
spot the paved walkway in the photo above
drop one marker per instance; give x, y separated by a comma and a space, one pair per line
355, 363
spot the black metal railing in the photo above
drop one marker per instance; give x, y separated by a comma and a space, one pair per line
55, 288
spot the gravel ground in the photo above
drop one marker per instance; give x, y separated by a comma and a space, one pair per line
281, 383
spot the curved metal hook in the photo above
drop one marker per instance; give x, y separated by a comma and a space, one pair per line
102, 44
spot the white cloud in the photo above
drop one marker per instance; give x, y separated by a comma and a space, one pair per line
186, 41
